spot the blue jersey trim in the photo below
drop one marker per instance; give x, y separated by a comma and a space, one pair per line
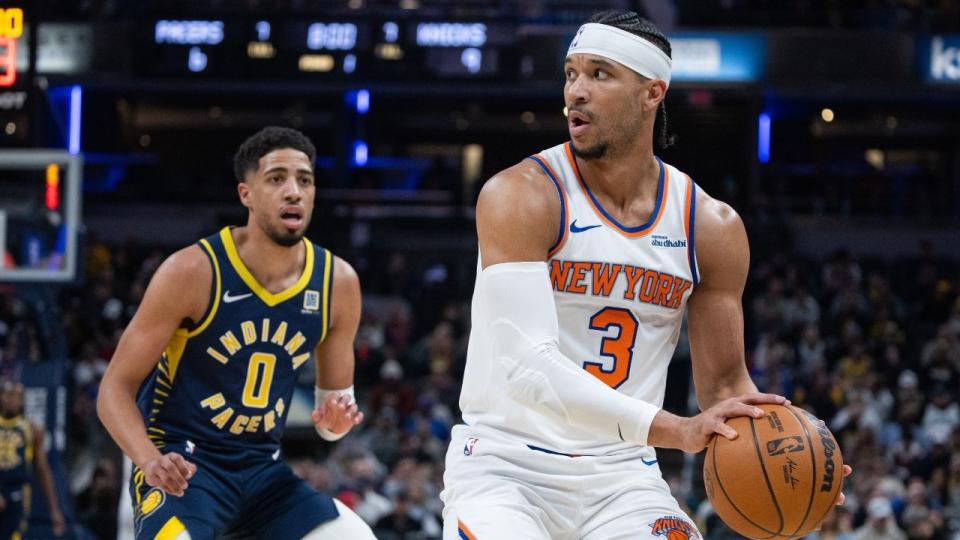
563, 206
656, 207
551, 452
691, 249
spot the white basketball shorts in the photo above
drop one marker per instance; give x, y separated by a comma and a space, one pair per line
497, 487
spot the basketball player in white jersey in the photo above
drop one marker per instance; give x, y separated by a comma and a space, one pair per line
589, 253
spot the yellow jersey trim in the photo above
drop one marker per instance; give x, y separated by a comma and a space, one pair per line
269, 298
327, 293
137, 484
173, 353
216, 297
10, 422
171, 529
30, 449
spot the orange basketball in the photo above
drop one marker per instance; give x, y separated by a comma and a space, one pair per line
779, 478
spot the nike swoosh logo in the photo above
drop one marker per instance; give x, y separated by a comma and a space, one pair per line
227, 299
575, 229
651, 462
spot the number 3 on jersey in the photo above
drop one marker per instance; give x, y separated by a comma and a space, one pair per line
619, 348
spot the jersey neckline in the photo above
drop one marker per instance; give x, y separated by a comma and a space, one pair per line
269, 298
630, 232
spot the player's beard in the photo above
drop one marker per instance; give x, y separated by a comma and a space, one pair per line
624, 136
596, 151
283, 236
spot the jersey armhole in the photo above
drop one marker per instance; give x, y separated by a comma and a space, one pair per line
562, 233
214, 302
329, 263
689, 225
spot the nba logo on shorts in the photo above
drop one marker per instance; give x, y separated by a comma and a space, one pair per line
673, 528
471, 444
311, 300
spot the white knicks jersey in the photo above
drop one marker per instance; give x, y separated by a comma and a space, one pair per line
620, 295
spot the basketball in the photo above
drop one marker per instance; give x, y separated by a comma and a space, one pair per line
779, 478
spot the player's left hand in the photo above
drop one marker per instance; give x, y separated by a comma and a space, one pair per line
847, 471
337, 414
59, 523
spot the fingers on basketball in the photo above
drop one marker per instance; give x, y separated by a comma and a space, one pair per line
779, 479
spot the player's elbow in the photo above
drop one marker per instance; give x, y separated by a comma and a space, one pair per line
104, 393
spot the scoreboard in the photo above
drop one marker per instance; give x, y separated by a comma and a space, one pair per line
343, 49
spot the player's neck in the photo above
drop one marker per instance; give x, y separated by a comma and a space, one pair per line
624, 177
274, 266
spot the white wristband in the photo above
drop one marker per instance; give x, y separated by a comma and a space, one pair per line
319, 395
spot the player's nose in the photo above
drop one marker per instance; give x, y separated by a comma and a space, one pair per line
578, 90
292, 190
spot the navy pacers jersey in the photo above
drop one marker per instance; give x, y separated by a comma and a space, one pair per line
226, 382
16, 451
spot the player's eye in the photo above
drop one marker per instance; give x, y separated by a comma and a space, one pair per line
306, 180
601, 74
571, 74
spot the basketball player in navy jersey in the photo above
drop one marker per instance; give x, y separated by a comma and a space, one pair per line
22, 461
590, 254
214, 350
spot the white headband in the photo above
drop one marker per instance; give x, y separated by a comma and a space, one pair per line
621, 46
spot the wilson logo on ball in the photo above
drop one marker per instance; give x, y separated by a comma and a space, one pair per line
829, 445
779, 447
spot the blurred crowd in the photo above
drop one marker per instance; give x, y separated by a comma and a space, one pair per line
870, 346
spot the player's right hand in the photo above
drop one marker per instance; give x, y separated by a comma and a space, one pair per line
701, 428
169, 472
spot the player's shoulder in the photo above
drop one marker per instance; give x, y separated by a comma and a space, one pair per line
182, 282
343, 272
715, 218
186, 263
722, 248
522, 190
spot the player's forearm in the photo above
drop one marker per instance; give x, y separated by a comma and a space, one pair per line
719, 390
552, 384
524, 332
46, 483
117, 410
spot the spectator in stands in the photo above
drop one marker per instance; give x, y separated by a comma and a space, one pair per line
880, 524
399, 524
836, 526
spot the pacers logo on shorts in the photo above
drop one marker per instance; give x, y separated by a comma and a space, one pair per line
673, 528
154, 499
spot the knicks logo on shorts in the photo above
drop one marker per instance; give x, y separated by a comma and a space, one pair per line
673, 528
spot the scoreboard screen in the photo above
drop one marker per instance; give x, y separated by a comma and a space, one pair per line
307, 49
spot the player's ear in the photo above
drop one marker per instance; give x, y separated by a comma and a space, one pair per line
655, 93
243, 190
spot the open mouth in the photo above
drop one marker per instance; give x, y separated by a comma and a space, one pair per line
292, 217
578, 122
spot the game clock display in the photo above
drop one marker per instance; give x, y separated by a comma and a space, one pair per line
308, 49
